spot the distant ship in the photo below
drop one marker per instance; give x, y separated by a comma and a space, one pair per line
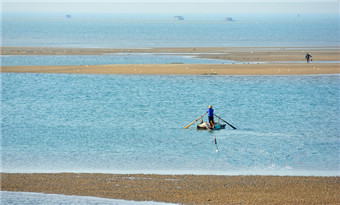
179, 18
228, 19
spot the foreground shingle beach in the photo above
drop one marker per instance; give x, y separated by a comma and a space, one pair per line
184, 189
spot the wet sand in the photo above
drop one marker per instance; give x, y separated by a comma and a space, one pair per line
251, 61
184, 189
183, 69
241, 54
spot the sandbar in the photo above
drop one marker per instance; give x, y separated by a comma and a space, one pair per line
183, 189
183, 69
250, 61
241, 54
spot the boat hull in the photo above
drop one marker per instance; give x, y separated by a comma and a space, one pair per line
205, 126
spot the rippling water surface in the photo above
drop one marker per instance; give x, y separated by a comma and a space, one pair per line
135, 124
144, 31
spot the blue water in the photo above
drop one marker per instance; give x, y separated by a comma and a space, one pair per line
286, 125
29, 60
143, 31
26, 198
14, 60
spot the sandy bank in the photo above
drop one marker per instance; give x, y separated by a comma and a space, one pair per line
241, 54
187, 189
184, 69
270, 59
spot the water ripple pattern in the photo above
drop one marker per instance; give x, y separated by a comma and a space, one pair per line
134, 31
135, 124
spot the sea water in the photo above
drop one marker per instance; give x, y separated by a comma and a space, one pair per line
25, 198
286, 125
145, 31
148, 58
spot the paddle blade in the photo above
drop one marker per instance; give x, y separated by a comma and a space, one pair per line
186, 127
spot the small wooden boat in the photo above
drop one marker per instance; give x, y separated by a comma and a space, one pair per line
206, 126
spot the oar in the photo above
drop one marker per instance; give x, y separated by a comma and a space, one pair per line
194, 121
226, 122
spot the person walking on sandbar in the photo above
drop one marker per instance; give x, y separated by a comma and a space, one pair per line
210, 112
308, 57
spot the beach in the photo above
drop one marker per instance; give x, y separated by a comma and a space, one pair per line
250, 61
183, 189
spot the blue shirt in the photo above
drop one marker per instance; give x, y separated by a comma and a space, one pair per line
210, 112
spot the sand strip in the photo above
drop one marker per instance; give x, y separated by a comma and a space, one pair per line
184, 69
249, 56
240, 54
185, 189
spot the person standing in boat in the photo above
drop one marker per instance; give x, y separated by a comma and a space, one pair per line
210, 112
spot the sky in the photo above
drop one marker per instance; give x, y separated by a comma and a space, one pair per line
172, 6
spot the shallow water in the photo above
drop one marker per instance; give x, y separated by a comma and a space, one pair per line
17, 60
286, 125
26, 198
148, 58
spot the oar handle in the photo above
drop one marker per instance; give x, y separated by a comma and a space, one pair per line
194, 121
226, 122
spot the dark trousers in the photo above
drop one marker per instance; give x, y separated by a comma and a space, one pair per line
211, 119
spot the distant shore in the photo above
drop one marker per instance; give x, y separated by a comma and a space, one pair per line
184, 189
256, 61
